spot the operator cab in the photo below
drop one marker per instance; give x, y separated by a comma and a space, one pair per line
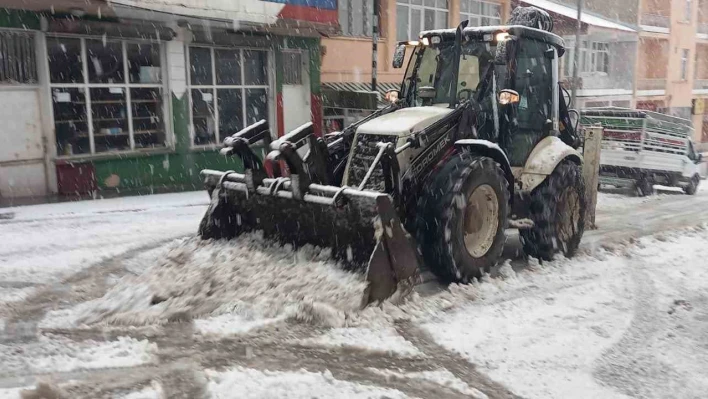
508, 74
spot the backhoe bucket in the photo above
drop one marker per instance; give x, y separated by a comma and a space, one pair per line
361, 227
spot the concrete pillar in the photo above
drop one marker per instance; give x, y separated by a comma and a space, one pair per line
453, 16
591, 172
506, 10
46, 112
177, 84
388, 28
698, 125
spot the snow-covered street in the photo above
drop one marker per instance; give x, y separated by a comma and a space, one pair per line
116, 298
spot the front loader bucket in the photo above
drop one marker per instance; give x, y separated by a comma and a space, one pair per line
361, 227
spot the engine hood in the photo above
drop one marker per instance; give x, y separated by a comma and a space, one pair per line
404, 121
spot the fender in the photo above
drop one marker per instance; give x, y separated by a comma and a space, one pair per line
491, 150
543, 160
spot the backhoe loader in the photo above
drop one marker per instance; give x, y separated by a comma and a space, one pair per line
478, 139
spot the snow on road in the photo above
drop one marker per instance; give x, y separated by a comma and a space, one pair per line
254, 384
441, 377
375, 340
43, 243
626, 323
608, 326
56, 354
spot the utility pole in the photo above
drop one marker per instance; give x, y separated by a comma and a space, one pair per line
374, 44
576, 56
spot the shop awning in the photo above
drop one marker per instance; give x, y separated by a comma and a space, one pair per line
355, 95
572, 13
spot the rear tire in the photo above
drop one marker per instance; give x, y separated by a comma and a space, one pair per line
644, 188
462, 216
692, 186
557, 208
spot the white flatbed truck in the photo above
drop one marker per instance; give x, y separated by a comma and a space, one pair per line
642, 148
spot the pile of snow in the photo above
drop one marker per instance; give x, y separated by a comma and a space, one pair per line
154, 391
441, 377
54, 354
245, 383
234, 323
382, 340
12, 393
249, 276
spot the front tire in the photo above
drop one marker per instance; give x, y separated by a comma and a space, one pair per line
462, 216
557, 208
692, 185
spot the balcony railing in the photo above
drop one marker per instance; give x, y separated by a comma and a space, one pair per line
660, 21
651, 84
700, 84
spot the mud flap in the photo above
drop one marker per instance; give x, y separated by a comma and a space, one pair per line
361, 228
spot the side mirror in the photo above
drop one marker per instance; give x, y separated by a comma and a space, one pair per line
392, 95
699, 159
399, 56
507, 97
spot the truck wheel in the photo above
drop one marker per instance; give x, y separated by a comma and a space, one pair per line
692, 185
557, 208
644, 187
462, 216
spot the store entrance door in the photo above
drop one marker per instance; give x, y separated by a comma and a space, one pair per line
22, 167
296, 90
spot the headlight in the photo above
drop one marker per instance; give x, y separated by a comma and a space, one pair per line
502, 36
507, 97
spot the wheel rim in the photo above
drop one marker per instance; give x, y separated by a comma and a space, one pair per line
481, 220
569, 212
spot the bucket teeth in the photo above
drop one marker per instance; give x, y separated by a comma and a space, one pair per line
361, 227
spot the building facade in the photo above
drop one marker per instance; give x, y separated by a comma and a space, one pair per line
136, 95
650, 54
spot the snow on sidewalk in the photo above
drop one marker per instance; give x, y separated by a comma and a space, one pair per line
129, 204
245, 383
42, 244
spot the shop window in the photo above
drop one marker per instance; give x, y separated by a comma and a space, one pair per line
65, 64
414, 16
71, 125
18, 62
480, 13
112, 103
105, 61
228, 91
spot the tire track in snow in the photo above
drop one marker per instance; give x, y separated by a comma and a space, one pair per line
629, 365
453, 362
